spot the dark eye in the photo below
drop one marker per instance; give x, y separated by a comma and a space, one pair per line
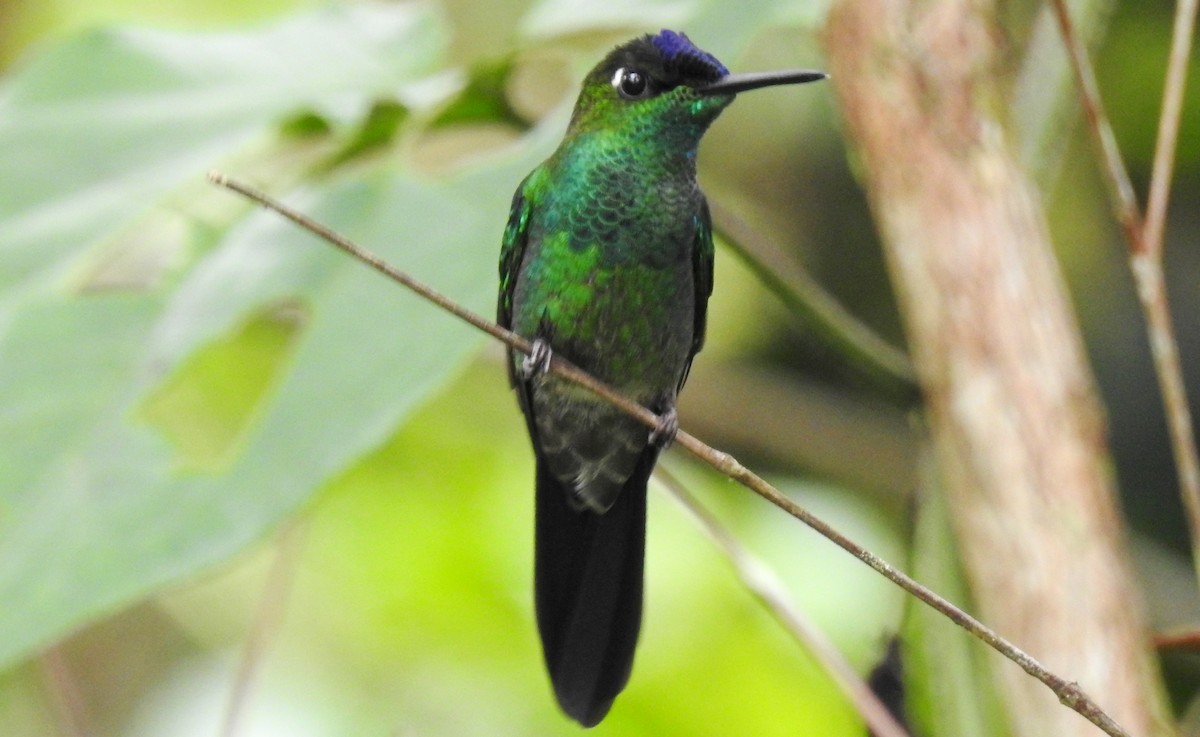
631, 84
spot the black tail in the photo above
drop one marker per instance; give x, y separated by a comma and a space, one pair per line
589, 591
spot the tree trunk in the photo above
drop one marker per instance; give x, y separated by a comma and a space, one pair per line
1017, 430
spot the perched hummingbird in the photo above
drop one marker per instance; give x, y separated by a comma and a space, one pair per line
607, 260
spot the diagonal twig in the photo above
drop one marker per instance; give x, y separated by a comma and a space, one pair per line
1145, 240
267, 621
69, 704
1168, 125
805, 299
1068, 693
1181, 639
1121, 188
762, 583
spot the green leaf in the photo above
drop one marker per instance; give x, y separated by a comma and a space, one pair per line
158, 411
207, 406
99, 509
380, 127
174, 380
98, 129
67, 463
484, 99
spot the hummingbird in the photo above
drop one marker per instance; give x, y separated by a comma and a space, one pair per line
607, 261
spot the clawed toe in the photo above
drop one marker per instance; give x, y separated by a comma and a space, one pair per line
538, 360
666, 429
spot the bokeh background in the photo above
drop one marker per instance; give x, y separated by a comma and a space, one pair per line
398, 592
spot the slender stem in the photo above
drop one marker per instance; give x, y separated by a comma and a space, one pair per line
1151, 289
1148, 274
1178, 640
1145, 241
267, 621
1168, 124
1068, 693
762, 583
69, 704
1121, 189
888, 366
1042, 107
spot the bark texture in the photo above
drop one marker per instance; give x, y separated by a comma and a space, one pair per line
1018, 433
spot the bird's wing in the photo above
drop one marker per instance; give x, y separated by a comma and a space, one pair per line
702, 278
512, 252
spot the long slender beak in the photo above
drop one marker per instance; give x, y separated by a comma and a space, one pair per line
731, 84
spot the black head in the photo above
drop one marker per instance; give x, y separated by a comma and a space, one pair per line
665, 75
654, 64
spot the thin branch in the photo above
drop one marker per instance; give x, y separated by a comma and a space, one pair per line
1168, 125
762, 583
1121, 189
1042, 109
267, 621
1177, 640
1068, 693
69, 704
1145, 241
1148, 273
888, 366
1152, 293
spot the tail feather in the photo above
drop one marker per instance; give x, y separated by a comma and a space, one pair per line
589, 590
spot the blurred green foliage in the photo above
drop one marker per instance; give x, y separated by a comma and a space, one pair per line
182, 376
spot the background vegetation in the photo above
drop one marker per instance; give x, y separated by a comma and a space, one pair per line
202, 410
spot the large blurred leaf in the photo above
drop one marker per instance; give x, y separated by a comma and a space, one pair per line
103, 494
95, 130
171, 385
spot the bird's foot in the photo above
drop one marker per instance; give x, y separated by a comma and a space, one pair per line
538, 360
665, 429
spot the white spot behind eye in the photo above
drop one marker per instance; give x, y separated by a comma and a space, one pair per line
616, 80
